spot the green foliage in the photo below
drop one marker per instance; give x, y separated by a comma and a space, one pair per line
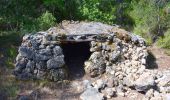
164, 42
9, 41
11, 90
11, 55
9, 38
95, 11
150, 21
16, 12
140, 31
145, 16
46, 20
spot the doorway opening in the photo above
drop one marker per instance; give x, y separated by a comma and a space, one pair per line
75, 54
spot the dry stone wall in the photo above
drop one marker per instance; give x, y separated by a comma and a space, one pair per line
40, 59
118, 57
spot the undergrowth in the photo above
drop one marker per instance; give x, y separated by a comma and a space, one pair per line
164, 42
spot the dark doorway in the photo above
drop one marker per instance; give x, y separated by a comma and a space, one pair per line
75, 54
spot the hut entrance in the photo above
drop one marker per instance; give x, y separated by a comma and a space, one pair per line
75, 54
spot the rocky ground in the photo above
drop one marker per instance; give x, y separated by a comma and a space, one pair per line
72, 90
69, 90
51, 91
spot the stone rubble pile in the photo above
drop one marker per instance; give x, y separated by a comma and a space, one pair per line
118, 59
124, 66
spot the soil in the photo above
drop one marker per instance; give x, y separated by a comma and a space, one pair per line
45, 90
162, 60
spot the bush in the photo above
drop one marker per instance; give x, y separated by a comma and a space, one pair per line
164, 42
143, 33
150, 20
95, 11
11, 55
46, 20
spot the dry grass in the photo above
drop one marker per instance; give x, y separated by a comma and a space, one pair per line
167, 52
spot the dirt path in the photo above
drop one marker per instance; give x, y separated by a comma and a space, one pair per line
162, 59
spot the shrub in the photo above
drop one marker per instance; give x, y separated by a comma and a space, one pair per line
91, 10
11, 53
149, 18
143, 33
46, 20
164, 42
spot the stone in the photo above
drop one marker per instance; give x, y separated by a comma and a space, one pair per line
120, 77
115, 56
95, 55
109, 70
26, 37
164, 80
45, 41
21, 64
111, 81
110, 38
19, 57
143, 61
56, 62
30, 64
41, 74
35, 43
167, 96
46, 52
134, 38
35, 71
91, 94
57, 50
87, 84
41, 65
88, 65
96, 67
93, 43
57, 75
129, 80
100, 84
141, 41
135, 57
26, 52
96, 48
40, 57
48, 37
149, 93
158, 98
164, 89
141, 69
110, 92
156, 93
145, 82
24, 97
120, 91
42, 46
